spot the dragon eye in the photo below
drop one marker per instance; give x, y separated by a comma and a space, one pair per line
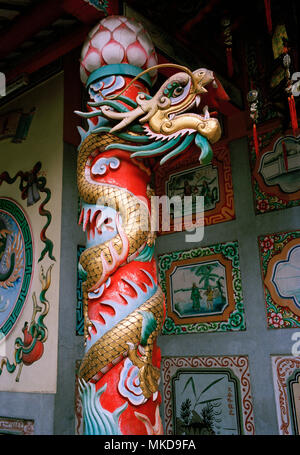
178, 91
173, 90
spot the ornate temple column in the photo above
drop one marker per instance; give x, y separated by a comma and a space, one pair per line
123, 304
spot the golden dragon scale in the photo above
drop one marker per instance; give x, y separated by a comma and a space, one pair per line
123, 304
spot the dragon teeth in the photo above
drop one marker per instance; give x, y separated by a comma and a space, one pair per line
206, 112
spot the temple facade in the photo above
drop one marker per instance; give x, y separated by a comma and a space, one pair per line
149, 218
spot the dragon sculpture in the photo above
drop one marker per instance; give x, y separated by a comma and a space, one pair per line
123, 304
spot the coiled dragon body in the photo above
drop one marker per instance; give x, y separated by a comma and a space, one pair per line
123, 304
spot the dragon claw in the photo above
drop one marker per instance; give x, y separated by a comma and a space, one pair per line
87, 324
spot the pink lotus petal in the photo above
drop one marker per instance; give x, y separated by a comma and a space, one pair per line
145, 41
113, 52
83, 74
111, 22
136, 55
93, 31
85, 49
92, 61
124, 35
152, 61
100, 39
133, 25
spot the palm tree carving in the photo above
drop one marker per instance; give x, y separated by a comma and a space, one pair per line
193, 422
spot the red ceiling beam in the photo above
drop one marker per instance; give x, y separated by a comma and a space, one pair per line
82, 10
27, 25
42, 16
199, 17
50, 54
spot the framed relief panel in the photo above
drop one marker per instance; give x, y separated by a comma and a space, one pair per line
276, 173
280, 265
286, 379
28, 269
203, 289
207, 395
184, 178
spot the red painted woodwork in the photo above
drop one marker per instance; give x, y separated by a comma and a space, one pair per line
27, 25
50, 54
82, 10
200, 16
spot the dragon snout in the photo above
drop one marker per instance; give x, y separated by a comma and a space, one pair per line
204, 77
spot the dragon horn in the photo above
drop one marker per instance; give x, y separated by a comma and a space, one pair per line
161, 65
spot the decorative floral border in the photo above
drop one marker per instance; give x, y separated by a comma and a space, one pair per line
240, 368
278, 317
284, 368
236, 319
267, 199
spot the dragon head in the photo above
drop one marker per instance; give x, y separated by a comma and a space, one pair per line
170, 117
169, 112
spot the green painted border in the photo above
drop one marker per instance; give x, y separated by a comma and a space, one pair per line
123, 69
12, 208
236, 320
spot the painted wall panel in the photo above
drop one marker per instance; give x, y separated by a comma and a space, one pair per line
44, 144
257, 342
